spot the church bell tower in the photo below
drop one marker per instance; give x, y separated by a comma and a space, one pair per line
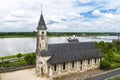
41, 35
41, 45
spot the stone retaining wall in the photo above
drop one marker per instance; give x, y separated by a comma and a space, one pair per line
2, 70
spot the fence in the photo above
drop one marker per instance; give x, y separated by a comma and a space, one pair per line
15, 68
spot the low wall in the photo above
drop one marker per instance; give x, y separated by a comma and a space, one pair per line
2, 70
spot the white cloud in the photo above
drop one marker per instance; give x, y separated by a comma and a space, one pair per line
23, 15
85, 1
108, 15
96, 13
58, 27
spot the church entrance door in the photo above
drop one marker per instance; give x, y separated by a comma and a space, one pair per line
41, 71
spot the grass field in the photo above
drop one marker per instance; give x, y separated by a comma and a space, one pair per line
116, 63
14, 61
116, 78
14, 56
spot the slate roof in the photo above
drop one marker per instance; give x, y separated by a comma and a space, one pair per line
41, 24
72, 40
66, 52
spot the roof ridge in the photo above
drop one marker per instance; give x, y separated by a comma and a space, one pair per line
69, 43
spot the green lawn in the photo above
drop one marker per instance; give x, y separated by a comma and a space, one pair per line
116, 63
14, 56
116, 78
11, 63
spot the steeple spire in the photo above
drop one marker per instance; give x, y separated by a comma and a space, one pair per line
41, 24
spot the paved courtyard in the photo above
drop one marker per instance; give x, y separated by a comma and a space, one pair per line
29, 74
80, 76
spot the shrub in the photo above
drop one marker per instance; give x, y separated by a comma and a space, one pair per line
19, 55
104, 64
109, 56
30, 59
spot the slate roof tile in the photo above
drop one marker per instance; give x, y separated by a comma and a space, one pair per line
66, 52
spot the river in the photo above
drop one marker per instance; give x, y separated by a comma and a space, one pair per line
13, 46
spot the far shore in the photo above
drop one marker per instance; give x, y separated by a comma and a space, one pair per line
55, 34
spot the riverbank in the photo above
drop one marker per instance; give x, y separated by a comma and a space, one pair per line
55, 34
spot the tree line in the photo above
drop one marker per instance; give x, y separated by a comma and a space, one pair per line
33, 34
17, 34
111, 52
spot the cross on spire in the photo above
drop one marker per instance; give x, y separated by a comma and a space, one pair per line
41, 8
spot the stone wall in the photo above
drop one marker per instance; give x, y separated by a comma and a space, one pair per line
78, 67
42, 66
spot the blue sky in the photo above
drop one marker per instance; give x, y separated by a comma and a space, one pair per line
60, 15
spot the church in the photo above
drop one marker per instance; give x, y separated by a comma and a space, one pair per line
54, 60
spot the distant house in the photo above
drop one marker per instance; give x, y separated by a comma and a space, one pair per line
70, 40
116, 40
61, 59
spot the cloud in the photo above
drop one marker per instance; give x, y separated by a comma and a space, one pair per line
108, 15
84, 1
58, 27
96, 13
61, 15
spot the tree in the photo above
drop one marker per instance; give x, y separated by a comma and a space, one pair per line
110, 56
104, 64
30, 59
19, 55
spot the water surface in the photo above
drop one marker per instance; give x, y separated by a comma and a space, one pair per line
13, 46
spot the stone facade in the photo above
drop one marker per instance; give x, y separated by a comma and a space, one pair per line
62, 69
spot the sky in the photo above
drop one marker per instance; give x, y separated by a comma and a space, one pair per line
60, 15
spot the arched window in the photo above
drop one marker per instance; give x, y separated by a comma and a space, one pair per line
73, 64
55, 67
80, 62
42, 32
63, 66
95, 60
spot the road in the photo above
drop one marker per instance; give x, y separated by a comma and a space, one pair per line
106, 75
